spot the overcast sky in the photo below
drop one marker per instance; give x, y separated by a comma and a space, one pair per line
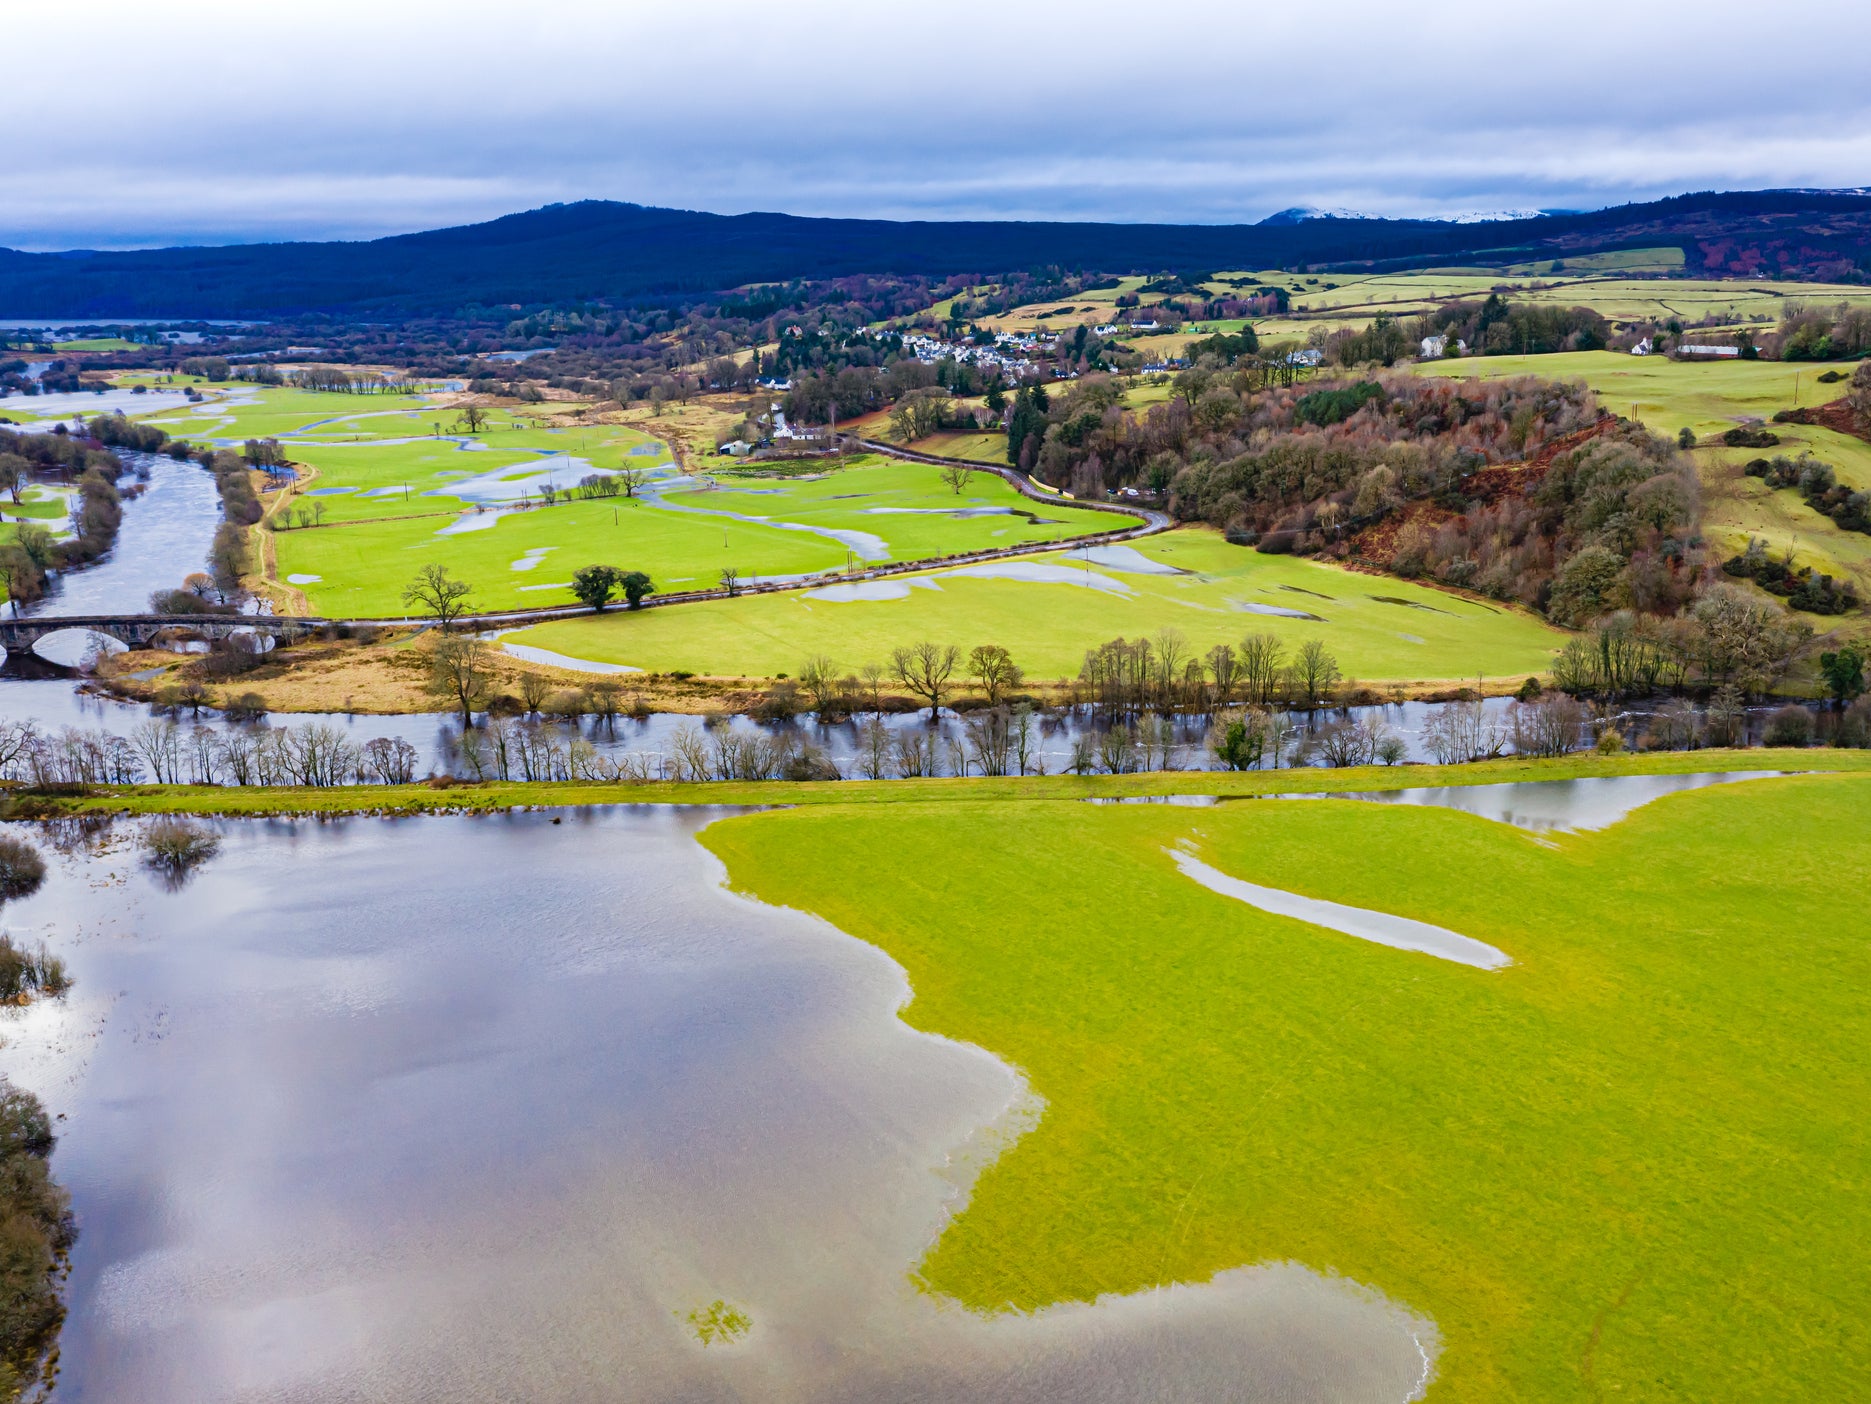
202, 121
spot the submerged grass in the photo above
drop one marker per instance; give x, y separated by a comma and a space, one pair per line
1631, 1165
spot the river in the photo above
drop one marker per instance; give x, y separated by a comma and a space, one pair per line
456, 1108
165, 535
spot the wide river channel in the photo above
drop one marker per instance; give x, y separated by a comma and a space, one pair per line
483, 1109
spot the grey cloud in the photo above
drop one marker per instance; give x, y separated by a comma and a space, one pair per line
203, 121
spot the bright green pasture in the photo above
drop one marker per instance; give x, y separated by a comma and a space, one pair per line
236, 411
908, 505
1707, 397
364, 564
40, 503
1630, 1166
1381, 629
364, 568
392, 479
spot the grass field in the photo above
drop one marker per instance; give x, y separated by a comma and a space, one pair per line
527, 558
394, 476
1381, 629
1629, 1166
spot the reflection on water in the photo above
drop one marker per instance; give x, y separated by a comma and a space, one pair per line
165, 536
1590, 803
453, 1108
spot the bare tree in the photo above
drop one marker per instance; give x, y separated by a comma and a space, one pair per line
1026, 741
1172, 648
631, 477
535, 688
473, 419
1260, 667
956, 476
818, 675
874, 750
1314, 672
1462, 731
989, 740
1223, 668
730, 580
993, 667
925, 669
462, 670
443, 598
874, 675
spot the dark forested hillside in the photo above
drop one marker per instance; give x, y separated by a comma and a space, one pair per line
603, 250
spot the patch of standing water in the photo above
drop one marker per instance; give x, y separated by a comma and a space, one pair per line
532, 558
1041, 573
1277, 611
304, 579
1124, 558
471, 521
865, 545
1381, 928
872, 590
560, 660
1595, 802
305, 1134
62, 407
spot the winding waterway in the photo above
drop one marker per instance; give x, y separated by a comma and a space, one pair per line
450, 1109
165, 536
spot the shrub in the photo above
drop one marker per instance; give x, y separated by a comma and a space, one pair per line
25, 972
176, 845
1854, 726
247, 707
1610, 742
1792, 725
38, 1232
21, 867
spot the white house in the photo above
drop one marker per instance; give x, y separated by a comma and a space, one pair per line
1642, 348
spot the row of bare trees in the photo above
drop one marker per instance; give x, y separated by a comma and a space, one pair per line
931, 672
161, 751
1164, 672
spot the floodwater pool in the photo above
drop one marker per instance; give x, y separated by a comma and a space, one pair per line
488, 1108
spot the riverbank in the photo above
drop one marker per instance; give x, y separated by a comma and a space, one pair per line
496, 796
385, 672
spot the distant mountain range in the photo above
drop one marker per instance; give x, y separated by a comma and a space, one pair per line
600, 250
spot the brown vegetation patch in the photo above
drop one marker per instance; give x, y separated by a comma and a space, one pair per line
1517, 479
1836, 415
